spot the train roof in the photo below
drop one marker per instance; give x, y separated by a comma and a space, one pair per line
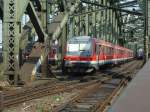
105, 43
102, 42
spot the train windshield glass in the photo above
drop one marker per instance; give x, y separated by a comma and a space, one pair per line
79, 48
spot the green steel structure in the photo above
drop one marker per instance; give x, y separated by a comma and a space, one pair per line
110, 20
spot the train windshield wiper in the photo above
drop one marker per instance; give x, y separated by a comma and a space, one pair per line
83, 50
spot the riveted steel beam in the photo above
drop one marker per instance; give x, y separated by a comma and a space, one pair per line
114, 8
147, 29
64, 20
1, 13
36, 22
54, 31
87, 21
11, 30
129, 3
38, 4
134, 20
100, 22
14, 10
1, 9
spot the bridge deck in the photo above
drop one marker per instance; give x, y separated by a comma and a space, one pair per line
136, 97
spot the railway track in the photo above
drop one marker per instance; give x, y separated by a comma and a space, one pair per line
11, 98
92, 100
99, 98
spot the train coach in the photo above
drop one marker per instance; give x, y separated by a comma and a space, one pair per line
140, 54
85, 54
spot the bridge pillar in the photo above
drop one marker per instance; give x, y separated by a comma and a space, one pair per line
44, 22
111, 25
70, 27
77, 19
87, 21
63, 42
98, 22
147, 29
116, 29
149, 26
94, 22
73, 27
14, 9
103, 22
107, 22
80, 24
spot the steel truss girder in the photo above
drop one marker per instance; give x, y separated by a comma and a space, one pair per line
38, 4
55, 31
1, 9
127, 4
1, 14
134, 20
11, 40
14, 10
114, 8
36, 22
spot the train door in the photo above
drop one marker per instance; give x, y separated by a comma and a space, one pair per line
102, 55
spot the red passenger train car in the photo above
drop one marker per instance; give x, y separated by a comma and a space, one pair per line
53, 55
84, 54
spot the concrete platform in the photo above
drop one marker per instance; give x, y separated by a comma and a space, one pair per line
136, 97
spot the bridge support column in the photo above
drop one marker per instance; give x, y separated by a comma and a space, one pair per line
94, 22
111, 25
44, 22
107, 22
81, 29
87, 21
63, 42
103, 22
14, 10
77, 19
70, 28
99, 22
149, 26
116, 29
147, 29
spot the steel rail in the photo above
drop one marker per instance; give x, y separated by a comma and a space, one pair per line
105, 93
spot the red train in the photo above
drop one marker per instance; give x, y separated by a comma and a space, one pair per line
84, 54
53, 55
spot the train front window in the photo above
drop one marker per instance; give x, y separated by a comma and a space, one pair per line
79, 48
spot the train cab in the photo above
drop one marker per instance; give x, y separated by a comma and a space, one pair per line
79, 53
